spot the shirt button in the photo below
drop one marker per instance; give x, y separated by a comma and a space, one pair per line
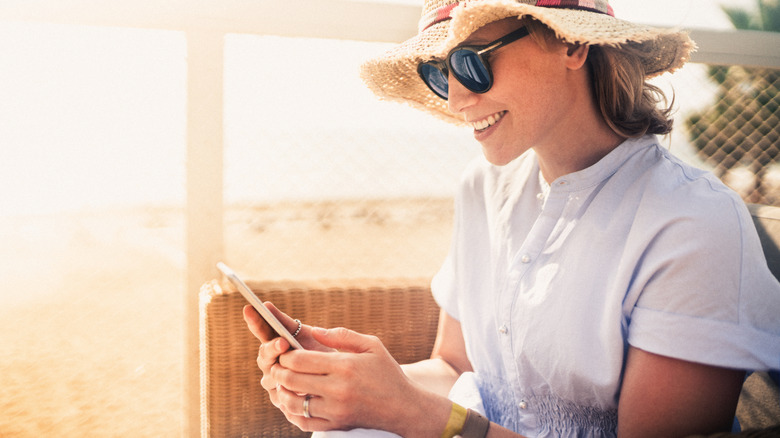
523, 404
525, 259
563, 183
503, 330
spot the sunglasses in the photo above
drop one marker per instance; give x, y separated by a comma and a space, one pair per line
468, 65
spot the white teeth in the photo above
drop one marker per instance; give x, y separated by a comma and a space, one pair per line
489, 121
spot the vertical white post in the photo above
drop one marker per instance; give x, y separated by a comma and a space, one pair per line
205, 237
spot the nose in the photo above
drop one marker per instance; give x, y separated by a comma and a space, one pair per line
460, 97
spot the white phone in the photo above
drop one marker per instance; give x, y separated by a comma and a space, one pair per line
275, 324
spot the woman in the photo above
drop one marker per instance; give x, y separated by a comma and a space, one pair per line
596, 285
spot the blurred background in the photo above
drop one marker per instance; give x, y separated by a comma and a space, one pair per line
140, 142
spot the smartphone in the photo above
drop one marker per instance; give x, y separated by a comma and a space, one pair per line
269, 317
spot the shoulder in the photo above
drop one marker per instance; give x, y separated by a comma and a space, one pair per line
670, 190
684, 220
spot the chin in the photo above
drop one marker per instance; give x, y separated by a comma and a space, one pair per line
497, 159
503, 153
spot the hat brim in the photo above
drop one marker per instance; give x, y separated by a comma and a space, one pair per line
394, 77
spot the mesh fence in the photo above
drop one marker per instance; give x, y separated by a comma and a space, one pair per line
738, 135
330, 182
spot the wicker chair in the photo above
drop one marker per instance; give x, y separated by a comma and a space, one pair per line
400, 312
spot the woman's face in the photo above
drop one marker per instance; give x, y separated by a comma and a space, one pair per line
531, 99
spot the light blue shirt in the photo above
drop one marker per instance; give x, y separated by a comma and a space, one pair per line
550, 287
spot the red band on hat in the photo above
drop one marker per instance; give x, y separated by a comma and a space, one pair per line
437, 16
600, 6
444, 12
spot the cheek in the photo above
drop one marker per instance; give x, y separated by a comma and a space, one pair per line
530, 72
519, 80
535, 94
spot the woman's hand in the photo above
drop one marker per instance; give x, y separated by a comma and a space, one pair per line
359, 385
352, 381
272, 346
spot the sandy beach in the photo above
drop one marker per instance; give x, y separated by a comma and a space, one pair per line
91, 313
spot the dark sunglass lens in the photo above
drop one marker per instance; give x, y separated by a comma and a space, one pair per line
436, 79
470, 71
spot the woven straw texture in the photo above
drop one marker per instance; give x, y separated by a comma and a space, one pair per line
401, 313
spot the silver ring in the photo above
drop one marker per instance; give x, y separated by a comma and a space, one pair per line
306, 406
298, 330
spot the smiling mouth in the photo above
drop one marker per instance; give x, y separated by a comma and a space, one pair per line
489, 121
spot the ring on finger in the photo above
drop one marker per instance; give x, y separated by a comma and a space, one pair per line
298, 330
306, 412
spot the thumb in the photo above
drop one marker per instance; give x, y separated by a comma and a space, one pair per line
343, 339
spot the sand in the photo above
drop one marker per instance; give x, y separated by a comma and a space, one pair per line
91, 313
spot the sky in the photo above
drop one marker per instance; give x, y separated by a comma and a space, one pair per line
682, 13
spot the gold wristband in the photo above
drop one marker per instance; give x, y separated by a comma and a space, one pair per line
475, 426
456, 421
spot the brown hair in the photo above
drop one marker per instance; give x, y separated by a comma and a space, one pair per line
629, 104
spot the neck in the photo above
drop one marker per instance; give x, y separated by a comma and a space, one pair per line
582, 136
572, 156
581, 141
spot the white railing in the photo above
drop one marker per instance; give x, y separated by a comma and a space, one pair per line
206, 22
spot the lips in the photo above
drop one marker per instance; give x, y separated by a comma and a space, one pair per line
487, 122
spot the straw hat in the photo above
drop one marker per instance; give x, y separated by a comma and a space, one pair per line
446, 23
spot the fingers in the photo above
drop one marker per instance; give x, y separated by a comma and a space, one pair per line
293, 402
323, 362
267, 358
289, 323
260, 328
298, 379
343, 339
269, 352
257, 324
302, 410
290, 403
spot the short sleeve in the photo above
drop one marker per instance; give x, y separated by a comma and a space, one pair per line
458, 272
707, 295
445, 283
443, 289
